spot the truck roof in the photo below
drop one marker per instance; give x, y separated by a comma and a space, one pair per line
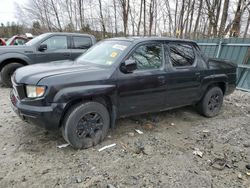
66, 33
141, 39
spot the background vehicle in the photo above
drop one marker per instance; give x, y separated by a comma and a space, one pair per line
44, 48
2, 42
16, 40
116, 78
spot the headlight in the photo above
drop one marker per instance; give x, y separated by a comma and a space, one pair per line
35, 91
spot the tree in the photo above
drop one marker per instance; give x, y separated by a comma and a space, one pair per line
102, 19
224, 18
248, 23
115, 16
213, 12
139, 22
241, 7
144, 18
151, 16
81, 13
125, 13
36, 28
56, 15
179, 18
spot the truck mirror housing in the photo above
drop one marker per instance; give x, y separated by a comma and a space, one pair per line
42, 47
128, 66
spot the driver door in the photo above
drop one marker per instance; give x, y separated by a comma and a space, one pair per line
57, 49
144, 89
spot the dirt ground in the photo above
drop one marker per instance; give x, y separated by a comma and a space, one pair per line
163, 156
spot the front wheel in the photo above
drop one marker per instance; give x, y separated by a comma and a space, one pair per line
211, 103
7, 72
85, 125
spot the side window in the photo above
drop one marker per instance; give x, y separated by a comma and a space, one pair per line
81, 42
148, 56
181, 55
56, 42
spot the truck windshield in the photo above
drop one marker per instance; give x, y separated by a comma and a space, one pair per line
104, 53
36, 39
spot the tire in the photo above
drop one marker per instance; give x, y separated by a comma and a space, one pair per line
7, 72
85, 125
211, 103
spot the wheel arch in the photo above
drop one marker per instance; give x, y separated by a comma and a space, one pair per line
12, 60
103, 99
220, 84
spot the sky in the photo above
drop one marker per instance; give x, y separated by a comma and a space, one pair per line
7, 10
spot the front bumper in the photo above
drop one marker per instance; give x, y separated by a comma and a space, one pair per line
45, 116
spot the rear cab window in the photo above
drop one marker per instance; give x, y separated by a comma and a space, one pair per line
181, 55
81, 42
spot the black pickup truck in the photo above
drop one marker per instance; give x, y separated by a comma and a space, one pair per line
44, 48
119, 77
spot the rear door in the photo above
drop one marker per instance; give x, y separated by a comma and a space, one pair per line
184, 74
57, 49
79, 45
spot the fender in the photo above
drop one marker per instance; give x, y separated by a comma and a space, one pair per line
75, 93
15, 55
213, 79
72, 93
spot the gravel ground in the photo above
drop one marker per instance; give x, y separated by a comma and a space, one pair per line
178, 148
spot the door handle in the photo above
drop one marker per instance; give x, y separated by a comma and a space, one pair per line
66, 55
198, 76
161, 79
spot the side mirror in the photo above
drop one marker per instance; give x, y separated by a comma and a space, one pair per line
129, 66
42, 47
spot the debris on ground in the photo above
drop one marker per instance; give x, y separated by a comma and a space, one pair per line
45, 171
140, 149
240, 176
138, 131
221, 163
106, 147
246, 145
63, 146
78, 180
206, 131
248, 166
198, 152
148, 126
110, 186
157, 158
131, 134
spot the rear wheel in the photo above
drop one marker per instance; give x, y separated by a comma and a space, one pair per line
85, 125
7, 72
211, 103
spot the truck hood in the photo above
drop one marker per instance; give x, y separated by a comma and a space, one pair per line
32, 74
14, 49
